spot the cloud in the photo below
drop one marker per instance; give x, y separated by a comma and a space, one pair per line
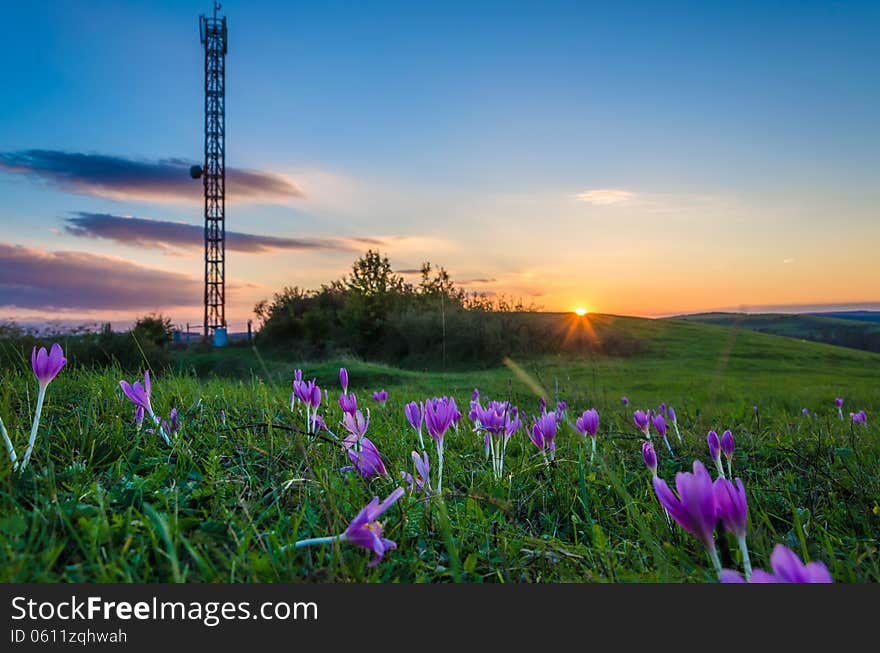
786, 261
121, 178
169, 236
64, 281
476, 282
604, 196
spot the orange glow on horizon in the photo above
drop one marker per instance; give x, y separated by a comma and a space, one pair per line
580, 310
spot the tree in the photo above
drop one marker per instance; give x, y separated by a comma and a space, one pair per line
153, 328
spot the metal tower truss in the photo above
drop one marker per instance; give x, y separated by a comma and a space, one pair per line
213, 35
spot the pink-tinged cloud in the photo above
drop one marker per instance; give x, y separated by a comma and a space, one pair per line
121, 178
169, 236
68, 281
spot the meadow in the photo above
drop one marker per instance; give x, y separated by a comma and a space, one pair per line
105, 501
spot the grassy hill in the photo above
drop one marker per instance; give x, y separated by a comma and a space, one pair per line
104, 501
858, 330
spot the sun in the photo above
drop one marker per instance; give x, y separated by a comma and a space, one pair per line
580, 310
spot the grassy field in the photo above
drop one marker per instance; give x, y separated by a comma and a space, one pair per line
103, 502
858, 329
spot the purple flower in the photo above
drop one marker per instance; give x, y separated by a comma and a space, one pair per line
588, 422
543, 407
732, 506
805, 412
423, 468
672, 417
381, 396
173, 421
414, 416
714, 445
47, 365
860, 417
543, 433
695, 508
787, 568
642, 422
139, 394
356, 423
475, 396
364, 456
139, 416
348, 403
727, 444
365, 531
838, 402
650, 457
439, 412
662, 408
625, 401
343, 380
223, 416
660, 425
561, 407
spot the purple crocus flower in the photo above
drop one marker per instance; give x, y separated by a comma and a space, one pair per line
561, 407
650, 457
660, 424
543, 407
139, 395
423, 468
173, 421
348, 403
223, 417
543, 434
727, 449
662, 408
413, 412
356, 423
365, 531
364, 456
588, 424
860, 417
381, 396
733, 510
439, 412
805, 412
47, 365
642, 422
787, 568
625, 401
139, 417
715, 451
343, 380
498, 421
695, 508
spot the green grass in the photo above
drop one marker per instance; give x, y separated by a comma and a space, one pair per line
102, 502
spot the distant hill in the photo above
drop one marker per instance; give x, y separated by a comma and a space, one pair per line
854, 329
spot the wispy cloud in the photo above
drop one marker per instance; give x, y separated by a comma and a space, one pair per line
604, 196
67, 281
121, 178
170, 236
786, 261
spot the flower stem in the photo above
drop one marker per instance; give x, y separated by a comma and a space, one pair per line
747, 563
316, 540
41, 395
439, 466
593, 452
12, 456
716, 562
719, 467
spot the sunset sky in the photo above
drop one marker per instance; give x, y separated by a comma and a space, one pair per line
643, 158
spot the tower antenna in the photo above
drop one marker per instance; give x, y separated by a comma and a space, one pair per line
212, 32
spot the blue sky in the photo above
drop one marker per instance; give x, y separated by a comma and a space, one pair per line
636, 157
